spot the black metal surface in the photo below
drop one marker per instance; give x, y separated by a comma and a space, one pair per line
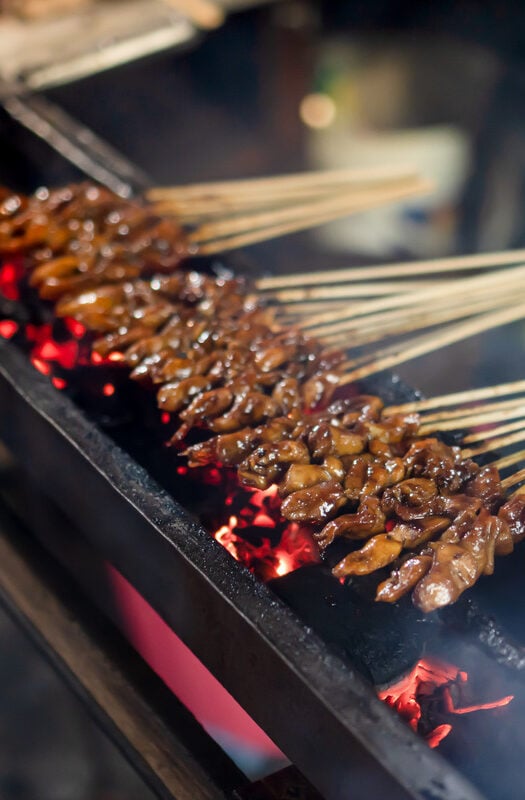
253, 644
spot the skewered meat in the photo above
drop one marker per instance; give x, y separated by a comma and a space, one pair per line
268, 462
317, 503
219, 362
367, 521
458, 562
403, 579
84, 235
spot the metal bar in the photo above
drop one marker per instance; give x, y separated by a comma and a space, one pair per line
323, 715
176, 757
74, 142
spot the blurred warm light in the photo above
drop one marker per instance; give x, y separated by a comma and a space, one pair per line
317, 110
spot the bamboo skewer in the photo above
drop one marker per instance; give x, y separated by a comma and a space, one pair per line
400, 269
509, 461
468, 396
336, 294
230, 233
464, 411
461, 300
512, 480
282, 222
498, 430
408, 323
289, 315
295, 182
495, 444
392, 357
472, 421
328, 323
195, 210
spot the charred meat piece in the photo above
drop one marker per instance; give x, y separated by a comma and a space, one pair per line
268, 463
430, 458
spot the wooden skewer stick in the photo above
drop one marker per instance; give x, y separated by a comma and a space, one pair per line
297, 310
447, 293
466, 411
374, 200
269, 185
338, 206
454, 399
426, 344
512, 480
472, 421
420, 320
508, 461
433, 266
336, 293
462, 302
194, 210
498, 430
494, 444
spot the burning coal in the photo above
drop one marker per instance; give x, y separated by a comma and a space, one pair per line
433, 690
259, 517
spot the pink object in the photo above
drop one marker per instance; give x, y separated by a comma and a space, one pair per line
185, 675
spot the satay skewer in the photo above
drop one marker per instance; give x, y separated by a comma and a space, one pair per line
499, 406
497, 443
435, 266
393, 357
239, 231
457, 398
273, 186
489, 433
464, 288
513, 480
510, 460
287, 297
416, 320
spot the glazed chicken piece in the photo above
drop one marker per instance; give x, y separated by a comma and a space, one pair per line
457, 563
83, 235
315, 504
268, 463
430, 458
367, 521
381, 550
403, 579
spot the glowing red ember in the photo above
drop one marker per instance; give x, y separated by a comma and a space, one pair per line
8, 328
432, 678
10, 275
268, 558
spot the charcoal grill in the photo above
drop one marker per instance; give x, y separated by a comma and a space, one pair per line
288, 672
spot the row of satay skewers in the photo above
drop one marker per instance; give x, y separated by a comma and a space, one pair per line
265, 392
